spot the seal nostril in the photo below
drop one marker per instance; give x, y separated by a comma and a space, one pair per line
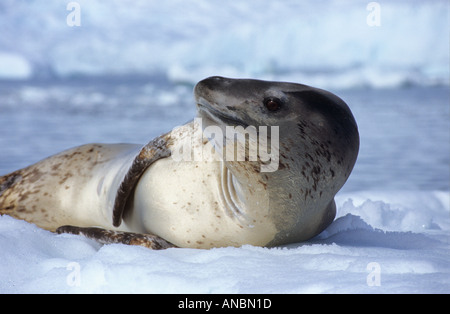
216, 78
215, 82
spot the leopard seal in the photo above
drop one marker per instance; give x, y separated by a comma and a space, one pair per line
183, 189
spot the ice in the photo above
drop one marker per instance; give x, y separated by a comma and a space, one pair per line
15, 67
397, 213
322, 43
403, 257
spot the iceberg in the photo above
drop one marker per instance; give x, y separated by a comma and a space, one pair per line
324, 43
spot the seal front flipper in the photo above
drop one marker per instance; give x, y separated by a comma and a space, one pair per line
109, 236
154, 150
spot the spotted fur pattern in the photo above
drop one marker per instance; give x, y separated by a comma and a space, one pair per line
109, 236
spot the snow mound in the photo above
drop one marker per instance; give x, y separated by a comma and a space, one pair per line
372, 247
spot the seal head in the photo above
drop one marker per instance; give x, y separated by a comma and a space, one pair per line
318, 146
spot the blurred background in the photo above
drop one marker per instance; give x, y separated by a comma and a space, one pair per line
123, 71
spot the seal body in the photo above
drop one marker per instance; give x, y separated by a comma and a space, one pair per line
200, 201
77, 186
260, 164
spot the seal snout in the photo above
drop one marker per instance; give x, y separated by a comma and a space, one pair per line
206, 90
216, 79
210, 84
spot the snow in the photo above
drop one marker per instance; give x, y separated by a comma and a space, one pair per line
375, 245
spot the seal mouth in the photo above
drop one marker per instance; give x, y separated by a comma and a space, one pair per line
204, 108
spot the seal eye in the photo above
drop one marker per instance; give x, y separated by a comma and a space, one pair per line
272, 104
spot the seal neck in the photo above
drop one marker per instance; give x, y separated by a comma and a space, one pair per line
233, 196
